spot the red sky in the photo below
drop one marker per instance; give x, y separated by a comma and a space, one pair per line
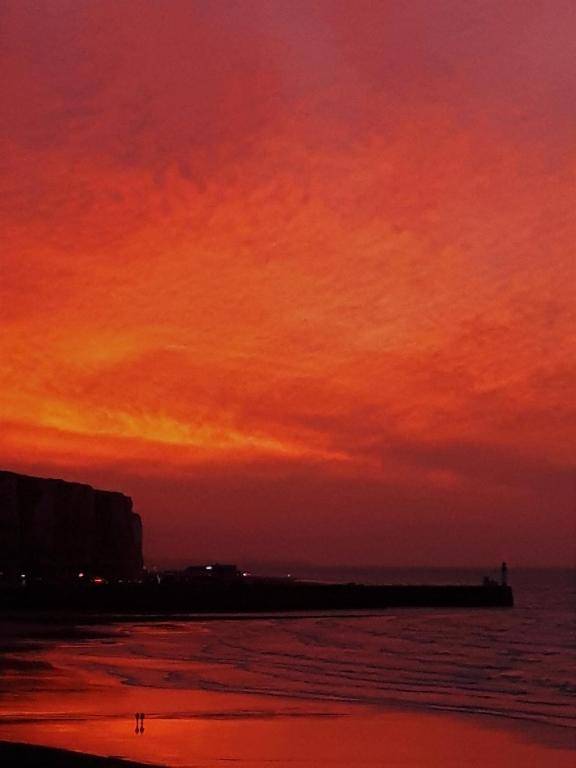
298, 276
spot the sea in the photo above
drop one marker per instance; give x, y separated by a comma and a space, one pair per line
516, 665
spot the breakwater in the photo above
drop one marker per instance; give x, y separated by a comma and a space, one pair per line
251, 597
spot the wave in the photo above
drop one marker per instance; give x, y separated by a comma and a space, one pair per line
489, 663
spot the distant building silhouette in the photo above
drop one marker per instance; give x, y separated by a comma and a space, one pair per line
212, 572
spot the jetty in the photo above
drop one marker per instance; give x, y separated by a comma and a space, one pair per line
247, 596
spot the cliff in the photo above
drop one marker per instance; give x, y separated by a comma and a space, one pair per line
56, 529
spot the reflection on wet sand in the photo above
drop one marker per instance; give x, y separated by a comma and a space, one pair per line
347, 736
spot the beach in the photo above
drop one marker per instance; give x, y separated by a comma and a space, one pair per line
405, 688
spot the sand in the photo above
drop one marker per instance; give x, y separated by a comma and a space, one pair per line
30, 756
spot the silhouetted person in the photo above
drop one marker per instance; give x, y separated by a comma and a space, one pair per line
141, 722
137, 718
504, 575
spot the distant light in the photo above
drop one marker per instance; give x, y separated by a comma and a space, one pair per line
245, 573
22, 575
209, 567
98, 580
81, 575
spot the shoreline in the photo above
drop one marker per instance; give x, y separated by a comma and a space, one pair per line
95, 628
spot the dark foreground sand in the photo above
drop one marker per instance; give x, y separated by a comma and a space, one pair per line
30, 756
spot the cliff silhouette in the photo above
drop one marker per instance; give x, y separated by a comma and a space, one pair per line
53, 530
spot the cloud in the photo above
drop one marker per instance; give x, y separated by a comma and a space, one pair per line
318, 244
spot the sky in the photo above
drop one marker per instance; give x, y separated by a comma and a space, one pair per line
297, 276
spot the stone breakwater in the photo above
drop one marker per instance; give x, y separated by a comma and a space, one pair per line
54, 529
245, 597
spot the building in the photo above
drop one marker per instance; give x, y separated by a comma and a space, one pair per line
211, 572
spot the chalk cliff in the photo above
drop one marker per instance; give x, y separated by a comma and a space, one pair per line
53, 528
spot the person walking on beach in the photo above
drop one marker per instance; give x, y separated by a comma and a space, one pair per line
139, 717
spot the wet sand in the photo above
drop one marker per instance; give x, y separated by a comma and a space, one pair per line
284, 733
